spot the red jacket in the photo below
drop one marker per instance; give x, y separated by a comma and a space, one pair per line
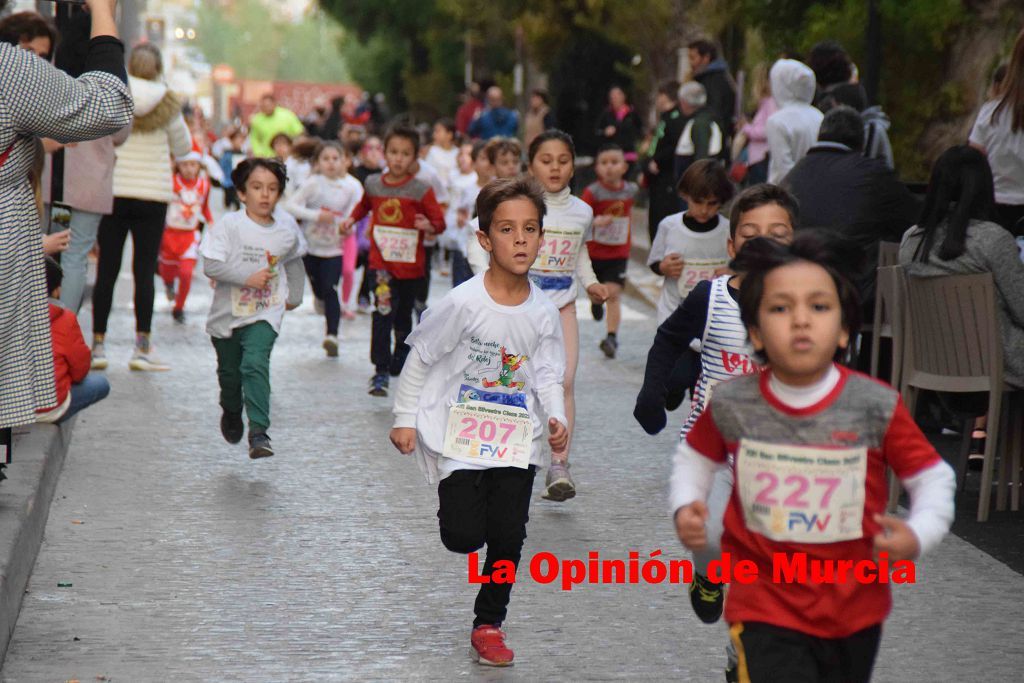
71, 357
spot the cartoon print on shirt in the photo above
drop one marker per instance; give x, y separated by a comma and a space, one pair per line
509, 364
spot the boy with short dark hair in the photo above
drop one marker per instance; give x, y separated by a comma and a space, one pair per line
487, 361
404, 210
611, 198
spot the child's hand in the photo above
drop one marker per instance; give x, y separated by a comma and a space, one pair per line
597, 293
672, 265
326, 217
423, 223
259, 279
603, 221
346, 225
291, 307
690, 525
404, 439
896, 538
559, 439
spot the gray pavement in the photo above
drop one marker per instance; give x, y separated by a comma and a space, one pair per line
190, 562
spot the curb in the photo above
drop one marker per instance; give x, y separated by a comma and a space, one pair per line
25, 499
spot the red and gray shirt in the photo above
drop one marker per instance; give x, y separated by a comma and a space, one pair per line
611, 242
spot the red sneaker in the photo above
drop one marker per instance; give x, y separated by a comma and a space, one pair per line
489, 646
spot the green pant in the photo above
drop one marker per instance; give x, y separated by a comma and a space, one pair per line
243, 370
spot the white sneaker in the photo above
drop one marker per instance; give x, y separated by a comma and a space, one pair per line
146, 361
331, 346
99, 357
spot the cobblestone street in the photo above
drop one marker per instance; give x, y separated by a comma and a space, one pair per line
188, 561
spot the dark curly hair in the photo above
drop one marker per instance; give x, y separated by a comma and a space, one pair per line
240, 176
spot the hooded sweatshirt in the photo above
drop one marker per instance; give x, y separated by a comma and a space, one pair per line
143, 169
794, 127
71, 358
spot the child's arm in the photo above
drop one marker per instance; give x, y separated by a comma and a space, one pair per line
296, 274
671, 341
550, 372
362, 207
585, 270
433, 211
931, 484
407, 401
693, 471
298, 204
657, 252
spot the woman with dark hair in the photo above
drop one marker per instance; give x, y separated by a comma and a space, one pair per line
956, 236
998, 133
621, 125
30, 31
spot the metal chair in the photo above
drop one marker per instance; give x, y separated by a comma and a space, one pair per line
888, 254
888, 319
952, 344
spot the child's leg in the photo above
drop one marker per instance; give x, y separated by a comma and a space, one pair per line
185, 268
330, 276
571, 333
348, 268
312, 266
229, 371
772, 653
718, 500
93, 388
168, 270
383, 321
614, 306
256, 342
403, 299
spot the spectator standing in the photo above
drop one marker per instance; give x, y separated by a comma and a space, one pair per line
497, 119
470, 108
29, 31
539, 117
660, 171
37, 101
998, 133
794, 127
756, 130
620, 125
701, 137
712, 72
270, 121
143, 186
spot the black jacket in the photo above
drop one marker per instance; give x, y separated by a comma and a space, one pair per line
862, 199
721, 92
627, 131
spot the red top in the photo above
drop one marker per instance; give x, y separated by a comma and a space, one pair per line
71, 356
610, 201
395, 206
859, 412
191, 203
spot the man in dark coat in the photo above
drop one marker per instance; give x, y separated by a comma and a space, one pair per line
659, 172
844, 192
713, 74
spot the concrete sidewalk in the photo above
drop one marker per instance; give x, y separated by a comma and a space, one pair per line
25, 499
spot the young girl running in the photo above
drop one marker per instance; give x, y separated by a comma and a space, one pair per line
178, 246
491, 346
562, 265
244, 254
322, 204
808, 441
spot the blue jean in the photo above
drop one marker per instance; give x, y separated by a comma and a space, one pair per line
93, 389
74, 261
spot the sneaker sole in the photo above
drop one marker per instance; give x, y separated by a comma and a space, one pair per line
484, 661
609, 352
331, 348
147, 367
378, 392
99, 364
261, 452
559, 491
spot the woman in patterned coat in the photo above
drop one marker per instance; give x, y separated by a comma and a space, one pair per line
37, 100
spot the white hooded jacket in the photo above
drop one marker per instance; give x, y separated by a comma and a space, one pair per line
143, 169
794, 127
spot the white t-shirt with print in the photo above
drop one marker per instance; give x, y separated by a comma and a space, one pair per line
1005, 152
473, 344
702, 251
339, 195
247, 247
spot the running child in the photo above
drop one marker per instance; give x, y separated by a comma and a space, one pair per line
691, 246
505, 160
403, 211
808, 439
491, 346
611, 198
245, 253
562, 266
461, 232
322, 204
710, 315
186, 214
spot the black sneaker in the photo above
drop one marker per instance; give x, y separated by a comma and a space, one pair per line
179, 316
259, 445
707, 599
609, 345
597, 310
231, 426
379, 384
